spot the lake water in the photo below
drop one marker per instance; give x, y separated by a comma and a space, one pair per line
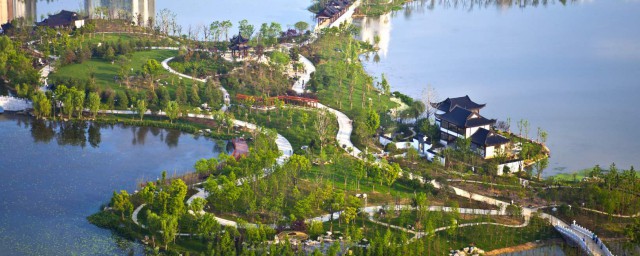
55, 175
573, 70
547, 250
203, 12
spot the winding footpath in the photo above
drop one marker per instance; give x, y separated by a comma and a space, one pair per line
345, 129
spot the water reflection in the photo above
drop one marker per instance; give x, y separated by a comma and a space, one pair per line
546, 64
56, 174
470, 5
42, 131
376, 30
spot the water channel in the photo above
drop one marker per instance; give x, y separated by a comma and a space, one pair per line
54, 175
571, 69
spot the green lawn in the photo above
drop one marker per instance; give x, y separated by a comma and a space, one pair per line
289, 123
105, 72
488, 237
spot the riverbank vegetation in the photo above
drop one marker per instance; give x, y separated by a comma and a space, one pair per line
375, 8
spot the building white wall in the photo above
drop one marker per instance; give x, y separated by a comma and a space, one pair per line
470, 131
79, 23
513, 167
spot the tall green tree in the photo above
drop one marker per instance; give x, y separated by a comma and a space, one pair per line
141, 107
41, 105
372, 121
151, 68
120, 203
93, 104
172, 110
301, 26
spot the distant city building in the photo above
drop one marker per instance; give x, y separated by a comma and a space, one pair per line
13, 9
138, 11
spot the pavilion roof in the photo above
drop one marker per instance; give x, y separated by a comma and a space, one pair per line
484, 137
462, 117
464, 102
238, 39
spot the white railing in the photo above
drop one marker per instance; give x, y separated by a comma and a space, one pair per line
575, 237
582, 230
590, 234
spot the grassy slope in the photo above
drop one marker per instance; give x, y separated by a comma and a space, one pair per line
105, 71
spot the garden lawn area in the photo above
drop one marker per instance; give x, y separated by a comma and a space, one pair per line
336, 172
330, 52
488, 237
369, 229
289, 123
106, 73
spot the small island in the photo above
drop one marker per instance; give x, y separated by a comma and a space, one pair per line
326, 160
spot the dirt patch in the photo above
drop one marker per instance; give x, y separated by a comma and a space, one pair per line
524, 247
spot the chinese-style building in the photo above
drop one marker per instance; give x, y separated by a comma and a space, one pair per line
63, 19
460, 118
333, 10
239, 46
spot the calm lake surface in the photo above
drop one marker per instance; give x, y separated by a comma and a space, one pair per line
203, 12
572, 69
547, 250
55, 175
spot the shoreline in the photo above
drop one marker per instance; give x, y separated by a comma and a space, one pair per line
525, 247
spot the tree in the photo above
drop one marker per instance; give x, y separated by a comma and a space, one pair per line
110, 54
246, 29
429, 97
181, 94
541, 165
41, 105
124, 69
632, 231
151, 68
194, 98
123, 100
316, 228
391, 173
301, 26
417, 108
322, 125
169, 228
225, 26
68, 106
172, 110
384, 85
94, 103
141, 107
304, 118
177, 193
372, 121
78, 101
120, 203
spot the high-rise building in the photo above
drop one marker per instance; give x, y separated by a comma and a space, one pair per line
12, 9
135, 10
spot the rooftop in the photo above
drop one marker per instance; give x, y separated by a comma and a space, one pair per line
464, 102
485, 137
462, 117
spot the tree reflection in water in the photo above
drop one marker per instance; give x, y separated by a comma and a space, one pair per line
72, 133
95, 137
42, 130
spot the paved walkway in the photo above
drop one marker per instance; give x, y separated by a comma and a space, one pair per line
14, 104
305, 76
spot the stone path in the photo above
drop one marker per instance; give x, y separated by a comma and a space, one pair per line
14, 104
309, 68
